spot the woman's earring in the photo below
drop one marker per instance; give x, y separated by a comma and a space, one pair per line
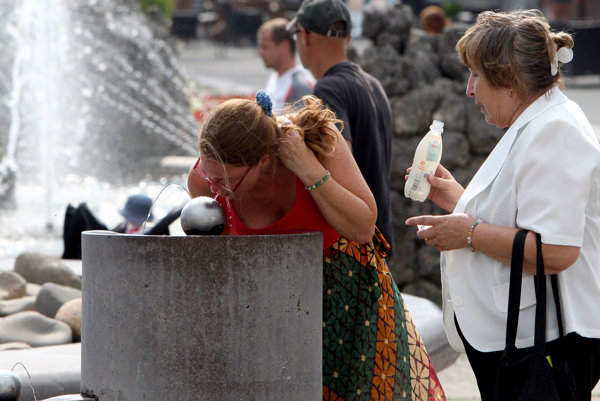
510, 93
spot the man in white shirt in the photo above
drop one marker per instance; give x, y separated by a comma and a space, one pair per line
290, 81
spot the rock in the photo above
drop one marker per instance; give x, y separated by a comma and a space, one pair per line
424, 289
464, 174
12, 306
70, 313
452, 67
32, 289
12, 285
38, 268
423, 68
451, 36
385, 64
404, 262
13, 346
386, 24
421, 40
34, 329
403, 152
482, 136
453, 112
456, 150
373, 20
52, 296
413, 113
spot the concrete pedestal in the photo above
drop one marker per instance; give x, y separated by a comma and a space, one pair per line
202, 318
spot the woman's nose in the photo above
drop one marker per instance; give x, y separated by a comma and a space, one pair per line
470, 92
214, 187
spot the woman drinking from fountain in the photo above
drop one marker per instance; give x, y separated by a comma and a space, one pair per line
296, 174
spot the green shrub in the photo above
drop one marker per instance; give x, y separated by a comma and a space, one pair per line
166, 6
452, 8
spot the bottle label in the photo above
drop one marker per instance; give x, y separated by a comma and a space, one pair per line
415, 185
433, 152
417, 181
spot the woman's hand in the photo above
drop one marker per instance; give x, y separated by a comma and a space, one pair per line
449, 232
444, 233
345, 199
445, 190
293, 151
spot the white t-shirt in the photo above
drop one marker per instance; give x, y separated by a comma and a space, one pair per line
279, 87
544, 176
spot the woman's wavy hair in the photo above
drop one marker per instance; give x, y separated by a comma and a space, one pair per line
238, 132
514, 50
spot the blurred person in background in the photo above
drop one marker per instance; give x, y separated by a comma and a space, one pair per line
289, 80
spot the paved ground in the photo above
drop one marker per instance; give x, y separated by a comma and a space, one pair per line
459, 383
241, 71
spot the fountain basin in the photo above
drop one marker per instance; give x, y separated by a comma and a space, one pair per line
201, 317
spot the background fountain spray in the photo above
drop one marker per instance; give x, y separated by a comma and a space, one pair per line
92, 99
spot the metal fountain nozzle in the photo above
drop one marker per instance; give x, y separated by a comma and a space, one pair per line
203, 216
10, 386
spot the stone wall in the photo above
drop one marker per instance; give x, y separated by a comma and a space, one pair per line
424, 80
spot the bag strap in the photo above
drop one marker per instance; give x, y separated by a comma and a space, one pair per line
514, 294
554, 280
540, 297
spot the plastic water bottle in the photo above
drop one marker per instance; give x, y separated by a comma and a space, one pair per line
427, 158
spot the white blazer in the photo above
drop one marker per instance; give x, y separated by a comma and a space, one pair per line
543, 175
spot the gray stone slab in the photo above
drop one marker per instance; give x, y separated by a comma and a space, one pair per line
54, 370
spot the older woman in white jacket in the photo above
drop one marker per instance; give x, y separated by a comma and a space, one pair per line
543, 176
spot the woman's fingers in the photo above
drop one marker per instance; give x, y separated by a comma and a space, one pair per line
443, 232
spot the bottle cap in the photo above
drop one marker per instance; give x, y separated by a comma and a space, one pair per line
437, 126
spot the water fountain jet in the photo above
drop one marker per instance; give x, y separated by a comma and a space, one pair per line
92, 92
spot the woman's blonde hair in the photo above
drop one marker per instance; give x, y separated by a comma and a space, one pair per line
514, 50
240, 133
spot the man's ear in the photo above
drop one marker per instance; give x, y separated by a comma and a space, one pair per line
305, 38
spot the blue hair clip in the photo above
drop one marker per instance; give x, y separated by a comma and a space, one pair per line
265, 102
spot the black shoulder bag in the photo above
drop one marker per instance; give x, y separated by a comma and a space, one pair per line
528, 374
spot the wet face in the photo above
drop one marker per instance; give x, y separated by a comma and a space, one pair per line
225, 180
500, 106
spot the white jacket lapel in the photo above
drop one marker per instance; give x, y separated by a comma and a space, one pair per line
492, 165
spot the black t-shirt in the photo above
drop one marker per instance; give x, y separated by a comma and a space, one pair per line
360, 102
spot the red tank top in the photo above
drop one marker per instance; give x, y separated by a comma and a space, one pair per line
305, 216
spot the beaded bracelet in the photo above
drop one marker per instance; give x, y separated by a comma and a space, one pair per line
318, 184
470, 234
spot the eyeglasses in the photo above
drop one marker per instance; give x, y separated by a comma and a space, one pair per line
219, 184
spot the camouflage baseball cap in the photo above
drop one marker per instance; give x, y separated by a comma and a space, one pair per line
318, 15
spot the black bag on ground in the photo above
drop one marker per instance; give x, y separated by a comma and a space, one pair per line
528, 374
78, 220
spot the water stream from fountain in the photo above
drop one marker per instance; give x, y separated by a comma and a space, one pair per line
94, 100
